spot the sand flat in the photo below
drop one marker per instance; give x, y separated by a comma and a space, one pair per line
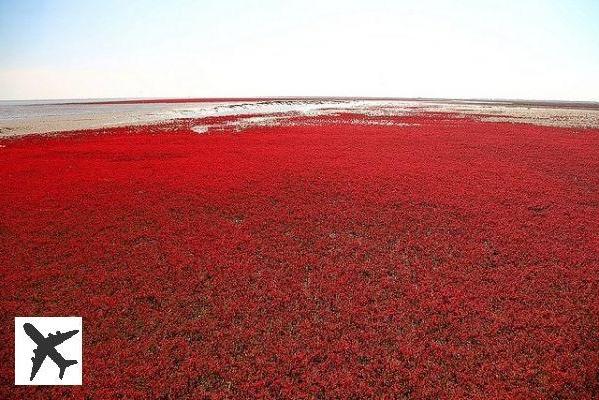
24, 118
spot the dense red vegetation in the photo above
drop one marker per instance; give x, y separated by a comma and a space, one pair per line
448, 259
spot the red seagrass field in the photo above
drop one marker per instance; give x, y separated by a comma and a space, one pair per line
421, 256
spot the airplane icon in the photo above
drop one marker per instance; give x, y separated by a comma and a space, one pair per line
46, 347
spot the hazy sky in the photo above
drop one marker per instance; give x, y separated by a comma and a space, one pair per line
531, 49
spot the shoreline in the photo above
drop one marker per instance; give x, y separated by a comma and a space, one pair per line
25, 119
571, 104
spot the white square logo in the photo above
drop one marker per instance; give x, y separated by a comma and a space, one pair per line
48, 350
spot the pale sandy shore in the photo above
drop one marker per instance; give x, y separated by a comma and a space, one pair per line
24, 118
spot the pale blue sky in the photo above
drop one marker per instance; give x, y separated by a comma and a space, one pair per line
532, 49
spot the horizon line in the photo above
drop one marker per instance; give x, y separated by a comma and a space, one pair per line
158, 100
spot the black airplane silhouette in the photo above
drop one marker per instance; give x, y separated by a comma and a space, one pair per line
46, 347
